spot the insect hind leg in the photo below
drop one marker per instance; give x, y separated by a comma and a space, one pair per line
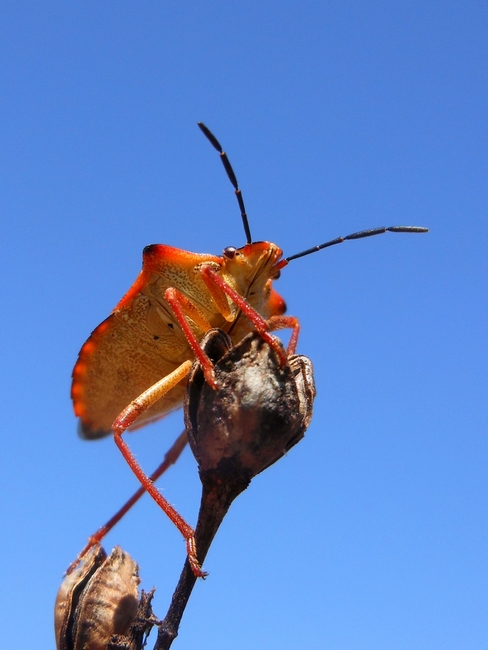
169, 459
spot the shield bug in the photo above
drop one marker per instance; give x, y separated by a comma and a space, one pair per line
133, 368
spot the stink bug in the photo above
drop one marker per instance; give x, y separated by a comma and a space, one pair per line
133, 368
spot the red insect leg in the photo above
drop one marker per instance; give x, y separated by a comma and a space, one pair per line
183, 307
285, 322
170, 458
128, 417
261, 325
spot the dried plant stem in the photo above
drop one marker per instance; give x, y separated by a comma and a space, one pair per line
216, 500
140, 628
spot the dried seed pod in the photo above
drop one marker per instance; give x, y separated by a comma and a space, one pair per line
69, 594
96, 601
259, 410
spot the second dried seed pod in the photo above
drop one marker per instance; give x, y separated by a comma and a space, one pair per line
96, 601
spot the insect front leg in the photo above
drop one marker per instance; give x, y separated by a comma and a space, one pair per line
128, 416
285, 322
216, 285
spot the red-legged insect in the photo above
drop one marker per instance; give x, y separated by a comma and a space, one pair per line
133, 368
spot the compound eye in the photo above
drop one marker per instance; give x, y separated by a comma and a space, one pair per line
229, 252
277, 275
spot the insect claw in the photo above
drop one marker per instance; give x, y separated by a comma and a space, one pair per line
195, 565
196, 568
73, 566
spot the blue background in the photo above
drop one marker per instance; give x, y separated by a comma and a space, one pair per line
337, 116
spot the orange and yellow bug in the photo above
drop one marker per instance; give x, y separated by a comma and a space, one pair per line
133, 368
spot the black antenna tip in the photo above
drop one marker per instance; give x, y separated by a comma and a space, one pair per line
357, 235
232, 177
210, 136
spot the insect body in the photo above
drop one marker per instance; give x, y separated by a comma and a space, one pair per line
133, 368
143, 341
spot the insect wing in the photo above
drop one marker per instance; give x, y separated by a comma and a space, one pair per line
113, 368
138, 344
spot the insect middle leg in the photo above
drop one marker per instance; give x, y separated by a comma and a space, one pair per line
128, 416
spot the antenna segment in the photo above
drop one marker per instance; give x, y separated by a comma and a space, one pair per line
356, 235
232, 177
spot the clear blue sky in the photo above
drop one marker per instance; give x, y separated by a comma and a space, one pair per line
337, 116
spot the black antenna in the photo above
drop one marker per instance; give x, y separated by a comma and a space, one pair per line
357, 235
232, 177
